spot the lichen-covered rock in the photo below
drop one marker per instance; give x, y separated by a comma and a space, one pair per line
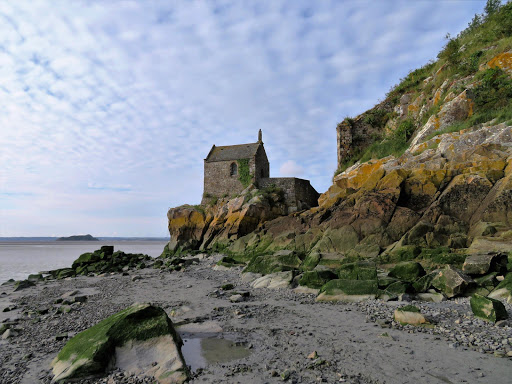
187, 225
487, 308
502, 60
348, 290
478, 264
407, 271
140, 339
457, 109
409, 315
451, 281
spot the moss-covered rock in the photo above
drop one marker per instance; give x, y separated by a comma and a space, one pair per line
503, 290
360, 270
316, 279
487, 308
35, 277
384, 280
488, 281
407, 271
404, 253
451, 281
348, 290
86, 258
398, 288
65, 272
23, 284
136, 328
441, 256
278, 262
229, 262
424, 282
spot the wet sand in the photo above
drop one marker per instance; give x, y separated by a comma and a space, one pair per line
279, 329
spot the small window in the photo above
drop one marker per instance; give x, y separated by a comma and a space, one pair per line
234, 169
262, 173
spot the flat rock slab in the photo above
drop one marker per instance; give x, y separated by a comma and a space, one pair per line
274, 280
480, 264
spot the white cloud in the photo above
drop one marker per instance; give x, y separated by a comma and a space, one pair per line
291, 169
135, 93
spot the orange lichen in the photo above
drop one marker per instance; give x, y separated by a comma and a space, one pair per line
503, 61
437, 96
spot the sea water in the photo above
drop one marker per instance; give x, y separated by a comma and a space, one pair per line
21, 258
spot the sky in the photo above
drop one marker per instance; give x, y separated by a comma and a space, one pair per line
108, 108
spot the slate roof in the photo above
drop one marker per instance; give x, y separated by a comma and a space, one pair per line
232, 152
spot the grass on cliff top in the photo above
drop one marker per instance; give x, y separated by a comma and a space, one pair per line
393, 144
487, 34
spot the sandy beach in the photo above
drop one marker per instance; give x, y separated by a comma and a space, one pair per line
273, 331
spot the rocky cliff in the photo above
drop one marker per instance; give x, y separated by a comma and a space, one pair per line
425, 175
222, 220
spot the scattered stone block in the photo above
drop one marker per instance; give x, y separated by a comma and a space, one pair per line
236, 298
7, 334
274, 280
433, 297
479, 264
409, 315
451, 281
348, 290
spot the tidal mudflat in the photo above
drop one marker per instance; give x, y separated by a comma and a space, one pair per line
249, 335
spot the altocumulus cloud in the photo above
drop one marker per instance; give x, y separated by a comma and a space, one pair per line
108, 108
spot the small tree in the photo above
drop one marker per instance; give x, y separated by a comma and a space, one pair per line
477, 20
492, 6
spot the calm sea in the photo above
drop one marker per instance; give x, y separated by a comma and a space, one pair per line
18, 259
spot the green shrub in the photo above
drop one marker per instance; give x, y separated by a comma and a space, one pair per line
411, 81
394, 144
494, 91
377, 118
451, 53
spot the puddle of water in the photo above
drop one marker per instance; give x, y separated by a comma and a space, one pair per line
201, 351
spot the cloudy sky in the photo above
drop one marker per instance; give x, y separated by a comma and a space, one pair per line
108, 108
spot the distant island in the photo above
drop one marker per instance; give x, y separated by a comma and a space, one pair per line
78, 238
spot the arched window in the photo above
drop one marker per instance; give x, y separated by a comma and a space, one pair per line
234, 169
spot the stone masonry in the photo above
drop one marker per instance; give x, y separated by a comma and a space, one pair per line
222, 173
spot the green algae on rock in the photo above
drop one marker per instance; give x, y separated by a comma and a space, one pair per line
91, 352
407, 271
487, 308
